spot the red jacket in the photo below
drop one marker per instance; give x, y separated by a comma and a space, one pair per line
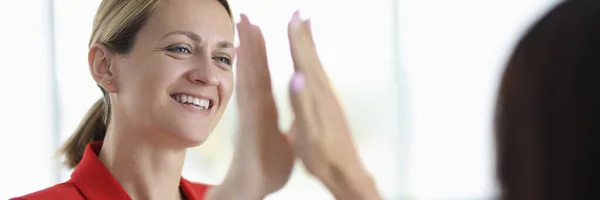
91, 180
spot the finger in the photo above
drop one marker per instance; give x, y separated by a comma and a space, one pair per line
324, 105
304, 53
306, 60
264, 77
253, 83
243, 58
252, 66
306, 124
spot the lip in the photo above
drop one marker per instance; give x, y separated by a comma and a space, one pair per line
211, 106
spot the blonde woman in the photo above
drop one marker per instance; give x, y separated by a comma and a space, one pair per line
165, 69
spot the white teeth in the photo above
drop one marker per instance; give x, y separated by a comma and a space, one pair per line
197, 103
183, 99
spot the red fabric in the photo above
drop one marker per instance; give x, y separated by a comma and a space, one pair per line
91, 180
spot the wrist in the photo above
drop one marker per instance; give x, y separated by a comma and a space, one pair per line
351, 182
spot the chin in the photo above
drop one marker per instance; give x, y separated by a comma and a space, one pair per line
187, 132
195, 143
194, 139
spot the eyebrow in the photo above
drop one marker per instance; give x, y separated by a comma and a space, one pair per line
197, 38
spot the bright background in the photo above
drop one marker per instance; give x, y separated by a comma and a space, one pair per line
417, 79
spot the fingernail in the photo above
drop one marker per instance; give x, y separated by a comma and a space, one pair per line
296, 19
244, 19
297, 14
298, 82
309, 24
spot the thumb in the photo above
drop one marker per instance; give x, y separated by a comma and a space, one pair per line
304, 108
299, 98
300, 105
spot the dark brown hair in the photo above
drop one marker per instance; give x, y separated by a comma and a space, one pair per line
116, 24
548, 108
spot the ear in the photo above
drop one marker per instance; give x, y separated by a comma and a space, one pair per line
100, 61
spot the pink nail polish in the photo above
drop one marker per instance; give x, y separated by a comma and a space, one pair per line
296, 19
297, 14
244, 19
298, 82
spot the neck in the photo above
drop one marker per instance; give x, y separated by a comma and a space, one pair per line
146, 169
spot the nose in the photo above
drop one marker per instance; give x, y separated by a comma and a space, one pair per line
204, 72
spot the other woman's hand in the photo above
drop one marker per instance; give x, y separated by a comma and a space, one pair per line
322, 138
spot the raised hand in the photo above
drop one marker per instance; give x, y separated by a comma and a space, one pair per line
263, 157
322, 138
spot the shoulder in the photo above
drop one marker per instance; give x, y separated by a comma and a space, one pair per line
66, 191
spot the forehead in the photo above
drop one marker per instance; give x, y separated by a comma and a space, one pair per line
206, 18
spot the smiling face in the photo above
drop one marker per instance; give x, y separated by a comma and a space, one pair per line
177, 78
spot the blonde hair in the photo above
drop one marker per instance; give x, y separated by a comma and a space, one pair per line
116, 25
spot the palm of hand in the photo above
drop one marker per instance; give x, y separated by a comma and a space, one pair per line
263, 158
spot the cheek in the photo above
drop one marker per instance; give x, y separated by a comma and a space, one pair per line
150, 77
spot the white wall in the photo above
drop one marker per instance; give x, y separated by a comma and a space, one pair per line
26, 106
452, 54
77, 90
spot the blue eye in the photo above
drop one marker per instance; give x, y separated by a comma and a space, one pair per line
223, 60
179, 49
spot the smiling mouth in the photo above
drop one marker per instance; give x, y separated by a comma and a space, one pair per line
194, 102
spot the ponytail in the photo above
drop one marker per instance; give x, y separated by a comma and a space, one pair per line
92, 128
